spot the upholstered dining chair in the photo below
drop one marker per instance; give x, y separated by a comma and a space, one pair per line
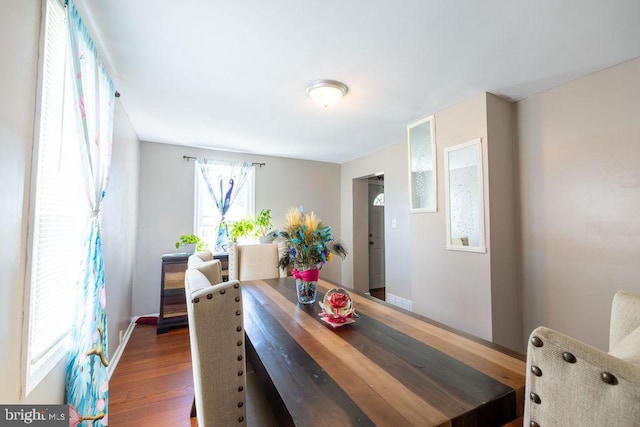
212, 269
256, 261
216, 331
199, 258
570, 383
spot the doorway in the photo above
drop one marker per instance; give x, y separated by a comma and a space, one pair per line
375, 199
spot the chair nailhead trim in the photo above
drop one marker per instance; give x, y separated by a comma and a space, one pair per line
535, 398
237, 299
209, 296
241, 419
609, 378
196, 300
568, 357
240, 388
536, 371
239, 328
236, 286
240, 373
536, 341
239, 357
240, 404
238, 312
533, 424
239, 343
223, 291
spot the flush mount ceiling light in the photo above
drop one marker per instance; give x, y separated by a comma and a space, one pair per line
326, 93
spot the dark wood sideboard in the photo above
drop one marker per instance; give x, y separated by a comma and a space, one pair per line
173, 307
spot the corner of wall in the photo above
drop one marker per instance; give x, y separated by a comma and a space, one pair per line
505, 279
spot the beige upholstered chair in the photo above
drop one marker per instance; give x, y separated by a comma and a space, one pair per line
570, 383
199, 258
225, 394
211, 269
252, 262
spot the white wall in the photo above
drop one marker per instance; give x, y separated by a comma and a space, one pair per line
19, 38
19, 45
119, 226
166, 205
579, 192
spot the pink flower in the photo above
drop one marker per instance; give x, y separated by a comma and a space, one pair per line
338, 300
74, 417
103, 297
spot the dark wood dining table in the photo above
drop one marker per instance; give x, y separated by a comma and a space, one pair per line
390, 367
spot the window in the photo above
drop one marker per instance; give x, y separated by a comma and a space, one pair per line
207, 215
56, 220
379, 200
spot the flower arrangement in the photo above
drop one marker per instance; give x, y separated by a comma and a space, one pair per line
309, 241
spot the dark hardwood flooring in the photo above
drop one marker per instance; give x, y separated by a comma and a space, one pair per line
153, 384
379, 293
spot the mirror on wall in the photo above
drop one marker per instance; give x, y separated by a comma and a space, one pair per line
464, 197
422, 166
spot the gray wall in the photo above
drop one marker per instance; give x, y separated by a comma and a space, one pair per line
576, 190
166, 208
579, 194
19, 44
392, 162
453, 287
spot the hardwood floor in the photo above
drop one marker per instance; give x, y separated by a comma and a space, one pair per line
153, 384
379, 293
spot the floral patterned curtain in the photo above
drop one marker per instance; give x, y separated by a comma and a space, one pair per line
224, 181
87, 386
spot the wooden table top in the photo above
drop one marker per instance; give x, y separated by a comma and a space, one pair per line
389, 368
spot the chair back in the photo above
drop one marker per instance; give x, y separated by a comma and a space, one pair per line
212, 270
254, 262
216, 331
199, 258
625, 317
572, 383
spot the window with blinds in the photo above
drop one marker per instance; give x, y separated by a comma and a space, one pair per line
56, 217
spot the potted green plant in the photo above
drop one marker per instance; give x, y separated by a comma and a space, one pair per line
244, 227
263, 226
189, 243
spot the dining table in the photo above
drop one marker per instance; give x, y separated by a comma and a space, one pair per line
389, 367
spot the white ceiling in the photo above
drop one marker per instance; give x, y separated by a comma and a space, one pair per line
231, 75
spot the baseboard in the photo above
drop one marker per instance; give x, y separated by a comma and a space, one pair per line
399, 301
118, 353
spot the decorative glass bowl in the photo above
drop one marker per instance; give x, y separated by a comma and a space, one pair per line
337, 307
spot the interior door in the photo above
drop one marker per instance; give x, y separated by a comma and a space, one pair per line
376, 234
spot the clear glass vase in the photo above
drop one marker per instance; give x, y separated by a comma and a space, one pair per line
306, 284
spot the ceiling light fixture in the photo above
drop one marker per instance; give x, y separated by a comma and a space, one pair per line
326, 93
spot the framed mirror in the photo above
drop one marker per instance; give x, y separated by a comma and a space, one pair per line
464, 197
422, 166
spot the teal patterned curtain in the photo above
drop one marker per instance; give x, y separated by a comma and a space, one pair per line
87, 386
224, 181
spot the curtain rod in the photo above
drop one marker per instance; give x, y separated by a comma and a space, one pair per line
187, 158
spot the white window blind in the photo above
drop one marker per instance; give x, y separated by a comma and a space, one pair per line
57, 219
